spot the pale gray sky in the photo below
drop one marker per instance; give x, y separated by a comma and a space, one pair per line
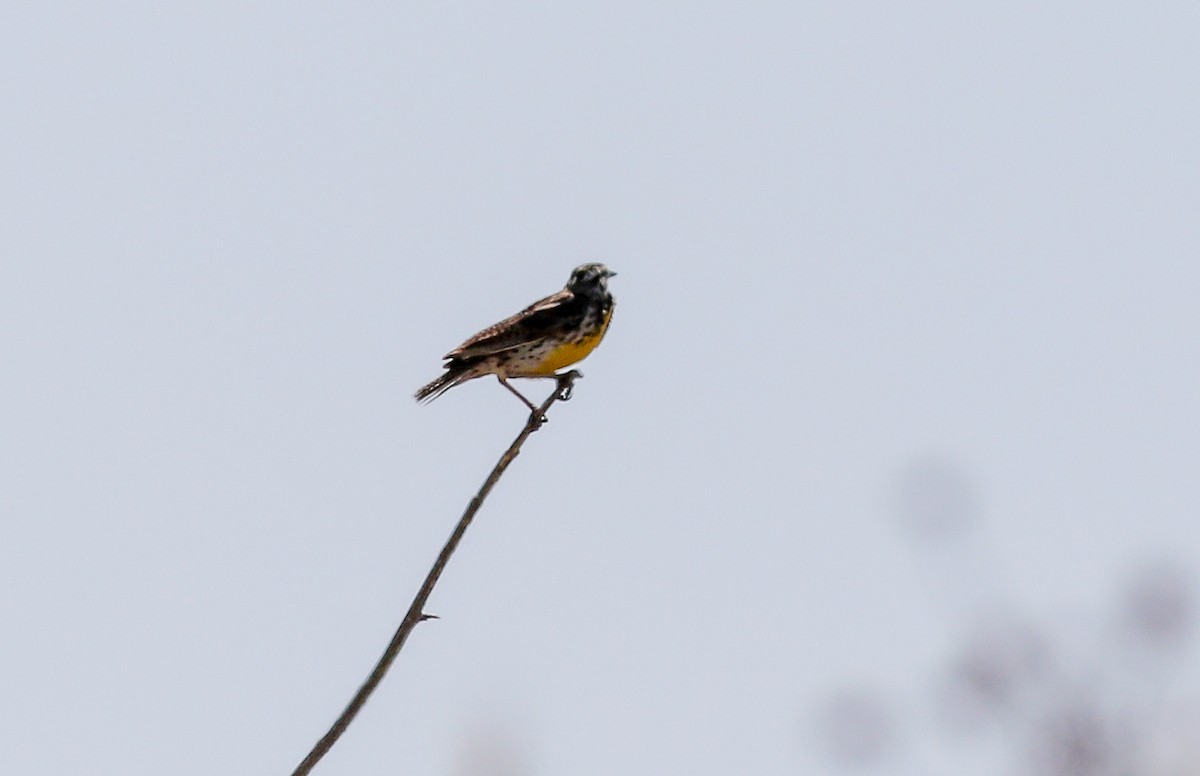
851, 238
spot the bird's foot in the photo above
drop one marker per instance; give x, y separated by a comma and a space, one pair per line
566, 384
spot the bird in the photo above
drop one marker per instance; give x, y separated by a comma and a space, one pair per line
548, 335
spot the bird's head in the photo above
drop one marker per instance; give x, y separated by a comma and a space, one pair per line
590, 279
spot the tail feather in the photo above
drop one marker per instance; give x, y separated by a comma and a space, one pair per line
453, 375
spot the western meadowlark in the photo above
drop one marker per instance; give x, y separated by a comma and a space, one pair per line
546, 336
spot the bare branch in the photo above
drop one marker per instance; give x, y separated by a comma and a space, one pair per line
562, 392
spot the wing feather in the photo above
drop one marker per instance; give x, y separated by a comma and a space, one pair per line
532, 323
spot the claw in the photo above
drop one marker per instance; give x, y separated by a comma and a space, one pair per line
566, 384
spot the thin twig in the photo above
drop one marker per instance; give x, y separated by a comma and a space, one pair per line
416, 613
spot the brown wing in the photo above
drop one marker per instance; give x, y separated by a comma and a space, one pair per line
534, 322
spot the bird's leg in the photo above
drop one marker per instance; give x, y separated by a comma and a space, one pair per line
564, 382
532, 407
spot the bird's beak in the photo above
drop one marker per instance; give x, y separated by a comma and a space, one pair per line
608, 273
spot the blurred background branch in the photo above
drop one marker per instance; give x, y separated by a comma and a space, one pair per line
1104, 694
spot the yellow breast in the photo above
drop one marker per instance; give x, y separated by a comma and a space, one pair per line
572, 352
